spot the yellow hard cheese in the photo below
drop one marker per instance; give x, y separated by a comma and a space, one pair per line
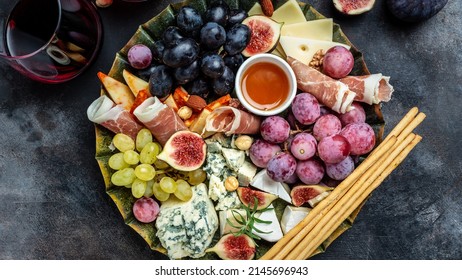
303, 49
255, 10
320, 29
289, 13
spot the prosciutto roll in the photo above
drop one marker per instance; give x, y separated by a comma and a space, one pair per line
330, 92
160, 119
370, 89
105, 112
230, 120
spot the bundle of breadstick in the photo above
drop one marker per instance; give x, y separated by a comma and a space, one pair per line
304, 239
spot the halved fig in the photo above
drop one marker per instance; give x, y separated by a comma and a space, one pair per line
232, 247
353, 7
305, 193
248, 196
184, 151
264, 35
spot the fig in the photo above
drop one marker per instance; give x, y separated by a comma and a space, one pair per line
353, 7
234, 247
306, 193
264, 35
415, 10
184, 151
248, 196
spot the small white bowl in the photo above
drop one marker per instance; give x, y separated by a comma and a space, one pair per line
271, 59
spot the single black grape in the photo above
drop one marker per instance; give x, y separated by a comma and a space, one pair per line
187, 73
172, 36
160, 81
225, 83
200, 86
237, 39
233, 61
218, 12
184, 53
212, 65
146, 73
189, 19
158, 50
236, 16
212, 36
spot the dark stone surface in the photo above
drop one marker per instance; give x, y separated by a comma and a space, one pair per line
52, 199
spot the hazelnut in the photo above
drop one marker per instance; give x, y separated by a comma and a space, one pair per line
243, 142
231, 183
185, 112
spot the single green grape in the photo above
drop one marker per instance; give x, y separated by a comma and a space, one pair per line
117, 162
131, 157
145, 172
123, 177
168, 185
149, 153
196, 177
160, 164
138, 188
123, 142
143, 137
159, 194
148, 192
183, 190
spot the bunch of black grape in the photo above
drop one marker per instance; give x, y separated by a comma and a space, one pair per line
201, 53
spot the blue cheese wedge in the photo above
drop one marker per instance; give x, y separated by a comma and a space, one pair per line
263, 182
216, 188
215, 164
186, 229
213, 146
234, 158
246, 173
229, 200
292, 216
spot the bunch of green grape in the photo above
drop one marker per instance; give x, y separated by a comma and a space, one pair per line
138, 168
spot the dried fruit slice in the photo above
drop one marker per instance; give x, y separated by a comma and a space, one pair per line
353, 7
248, 196
231, 247
305, 193
184, 151
264, 35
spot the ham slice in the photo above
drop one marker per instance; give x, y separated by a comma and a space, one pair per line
160, 119
330, 92
230, 120
370, 89
105, 112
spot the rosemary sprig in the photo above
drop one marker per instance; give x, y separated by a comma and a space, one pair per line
246, 225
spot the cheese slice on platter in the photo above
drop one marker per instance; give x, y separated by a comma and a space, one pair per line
320, 29
255, 10
292, 216
289, 13
272, 231
263, 182
303, 49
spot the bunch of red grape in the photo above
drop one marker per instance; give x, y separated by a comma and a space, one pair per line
324, 149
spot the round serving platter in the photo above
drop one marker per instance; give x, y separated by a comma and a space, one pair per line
150, 32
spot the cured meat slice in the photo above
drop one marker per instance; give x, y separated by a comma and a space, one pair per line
105, 112
230, 120
330, 92
370, 89
160, 119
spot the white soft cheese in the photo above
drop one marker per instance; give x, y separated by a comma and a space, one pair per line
292, 216
263, 182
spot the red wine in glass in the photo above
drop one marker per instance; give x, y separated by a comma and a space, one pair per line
52, 41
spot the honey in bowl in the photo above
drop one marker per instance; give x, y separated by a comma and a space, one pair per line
265, 85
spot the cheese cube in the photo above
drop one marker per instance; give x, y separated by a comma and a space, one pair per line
246, 173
